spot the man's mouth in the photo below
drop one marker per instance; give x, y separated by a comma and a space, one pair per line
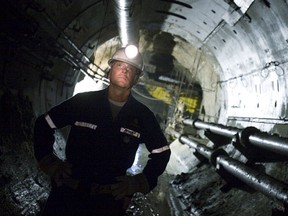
122, 77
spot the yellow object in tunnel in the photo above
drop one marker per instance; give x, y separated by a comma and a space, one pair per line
190, 103
165, 96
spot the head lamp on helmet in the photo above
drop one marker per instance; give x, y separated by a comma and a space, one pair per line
129, 55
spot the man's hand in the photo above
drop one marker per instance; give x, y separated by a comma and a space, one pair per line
59, 170
128, 185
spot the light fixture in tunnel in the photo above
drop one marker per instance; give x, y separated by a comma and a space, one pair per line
131, 51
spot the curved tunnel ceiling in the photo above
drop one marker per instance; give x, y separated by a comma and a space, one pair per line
236, 51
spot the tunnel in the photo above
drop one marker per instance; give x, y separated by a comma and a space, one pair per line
214, 76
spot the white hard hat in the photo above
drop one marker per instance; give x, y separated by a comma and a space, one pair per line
129, 55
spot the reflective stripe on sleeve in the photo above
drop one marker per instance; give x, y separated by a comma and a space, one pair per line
50, 122
162, 149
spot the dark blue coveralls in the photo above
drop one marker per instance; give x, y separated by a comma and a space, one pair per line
100, 148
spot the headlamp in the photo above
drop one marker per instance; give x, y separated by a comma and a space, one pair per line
131, 51
130, 55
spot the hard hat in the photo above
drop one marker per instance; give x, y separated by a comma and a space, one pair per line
129, 55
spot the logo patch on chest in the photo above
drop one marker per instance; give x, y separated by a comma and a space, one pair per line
130, 132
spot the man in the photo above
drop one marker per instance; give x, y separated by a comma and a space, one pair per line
106, 128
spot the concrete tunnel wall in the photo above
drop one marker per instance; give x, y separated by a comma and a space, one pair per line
248, 65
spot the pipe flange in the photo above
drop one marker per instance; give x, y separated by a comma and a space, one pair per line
194, 121
244, 135
215, 154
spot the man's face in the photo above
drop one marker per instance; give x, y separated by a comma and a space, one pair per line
123, 75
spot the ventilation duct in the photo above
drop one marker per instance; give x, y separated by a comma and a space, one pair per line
128, 14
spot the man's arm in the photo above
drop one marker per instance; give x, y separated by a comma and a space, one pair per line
57, 117
158, 147
146, 181
49, 163
156, 165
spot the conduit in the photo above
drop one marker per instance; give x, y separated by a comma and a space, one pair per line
250, 137
70, 42
214, 128
273, 143
262, 182
128, 14
267, 185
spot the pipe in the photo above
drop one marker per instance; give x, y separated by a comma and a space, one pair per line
273, 143
74, 63
264, 183
214, 128
70, 42
253, 136
267, 185
200, 148
128, 14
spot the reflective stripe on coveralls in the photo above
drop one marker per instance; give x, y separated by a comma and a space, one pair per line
50, 122
162, 149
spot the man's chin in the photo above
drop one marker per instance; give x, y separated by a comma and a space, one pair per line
121, 85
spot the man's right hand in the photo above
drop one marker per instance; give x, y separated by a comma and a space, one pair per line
58, 170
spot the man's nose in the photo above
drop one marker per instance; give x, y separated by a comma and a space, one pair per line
125, 68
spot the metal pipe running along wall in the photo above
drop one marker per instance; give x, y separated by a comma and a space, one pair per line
264, 183
253, 137
272, 188
229, 132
